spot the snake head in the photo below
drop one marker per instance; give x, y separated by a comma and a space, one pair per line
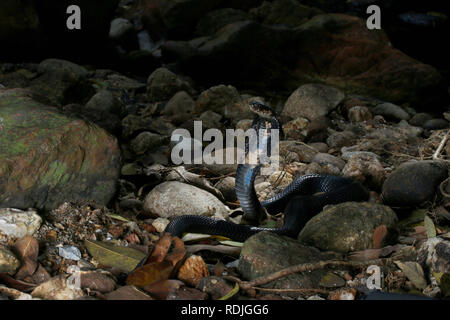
261, 109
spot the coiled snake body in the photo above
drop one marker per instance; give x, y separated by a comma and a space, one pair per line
300, 201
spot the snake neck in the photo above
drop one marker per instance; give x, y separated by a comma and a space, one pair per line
254, 212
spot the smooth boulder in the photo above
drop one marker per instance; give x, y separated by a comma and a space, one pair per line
349, 226
47, 159
413, 183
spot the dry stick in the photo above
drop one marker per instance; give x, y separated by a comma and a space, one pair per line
246, 285
441, 145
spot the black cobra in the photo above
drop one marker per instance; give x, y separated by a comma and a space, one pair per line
300, 201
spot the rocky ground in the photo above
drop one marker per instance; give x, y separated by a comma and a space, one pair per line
87, 184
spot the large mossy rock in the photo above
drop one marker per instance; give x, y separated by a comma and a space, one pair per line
267, 252
351, 226
47, 158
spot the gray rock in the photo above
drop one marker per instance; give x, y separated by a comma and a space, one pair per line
146, 141
304, 152
341, 139
435, 124
162, 84
391, 111
104, 101
295, 129
312, 101
173, 198
349, 227
120, 28
180, 103
226, 187
412, 183
265, 253
210, 120
326, 158
419, 119
320, 146
58, 66
366, 168
216, 98
410, 130
61, 80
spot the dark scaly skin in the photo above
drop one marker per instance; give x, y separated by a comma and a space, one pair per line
299, 201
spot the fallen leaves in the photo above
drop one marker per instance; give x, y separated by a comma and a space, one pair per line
123, 258
414, 272
27, 250
161, 264
429, 227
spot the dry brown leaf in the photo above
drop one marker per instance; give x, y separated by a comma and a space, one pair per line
160, 250
27, 250
378, 236
16, 284
150, 273
127, 293
162, 265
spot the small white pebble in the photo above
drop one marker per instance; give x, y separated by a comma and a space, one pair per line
160, 224
70, 252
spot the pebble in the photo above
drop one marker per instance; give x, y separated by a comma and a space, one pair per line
341, 139
16, 224
160, 224
435, 124
70, 252
391, 111
364, 167
326, 158
419, 119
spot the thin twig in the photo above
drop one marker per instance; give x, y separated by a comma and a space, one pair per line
246, 285
441, 146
